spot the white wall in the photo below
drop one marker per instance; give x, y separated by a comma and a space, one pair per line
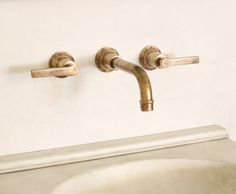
45, 113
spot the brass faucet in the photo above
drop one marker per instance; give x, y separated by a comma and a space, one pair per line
151, 58
61, 64
107, 59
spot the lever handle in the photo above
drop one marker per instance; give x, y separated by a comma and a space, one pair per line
151, 58
61, 64
167, 62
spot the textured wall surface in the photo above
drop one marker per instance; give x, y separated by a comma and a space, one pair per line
38, 114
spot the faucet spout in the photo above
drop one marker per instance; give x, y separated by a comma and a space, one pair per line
146, 101
107, 59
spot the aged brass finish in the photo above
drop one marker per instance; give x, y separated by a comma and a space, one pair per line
107, 59
151, 58
61, 65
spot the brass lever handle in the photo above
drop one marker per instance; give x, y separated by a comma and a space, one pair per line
151, 58
61, 64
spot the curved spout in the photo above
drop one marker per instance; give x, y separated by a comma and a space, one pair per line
146, 101
107, 59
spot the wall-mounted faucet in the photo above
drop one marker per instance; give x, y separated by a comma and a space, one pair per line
107, 59
61, 65
151, 58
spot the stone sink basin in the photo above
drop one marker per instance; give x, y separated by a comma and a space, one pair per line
156, 176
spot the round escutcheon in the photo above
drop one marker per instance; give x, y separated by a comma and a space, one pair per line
144, 56
104, 58
59, 59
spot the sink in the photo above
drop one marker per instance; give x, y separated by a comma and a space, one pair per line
164, 176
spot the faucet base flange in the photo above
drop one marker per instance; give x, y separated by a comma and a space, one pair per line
145, 54
59, 59
104, 59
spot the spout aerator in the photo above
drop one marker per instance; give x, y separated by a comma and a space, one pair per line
146, 106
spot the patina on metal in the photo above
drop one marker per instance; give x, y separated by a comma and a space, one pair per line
61, 64
107, 59
151, 58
